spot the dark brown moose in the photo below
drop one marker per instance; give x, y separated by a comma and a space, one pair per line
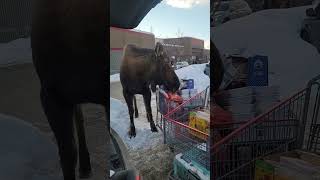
140, 69
69, 40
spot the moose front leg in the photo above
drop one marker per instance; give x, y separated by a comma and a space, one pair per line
129, 100
136, 113
147, 103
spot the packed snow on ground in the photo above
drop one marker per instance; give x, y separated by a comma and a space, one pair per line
120, 122
15, 52
195, 72
275, 33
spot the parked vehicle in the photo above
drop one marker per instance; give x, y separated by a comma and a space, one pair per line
207, 69
228, 10
311, 25
181, 64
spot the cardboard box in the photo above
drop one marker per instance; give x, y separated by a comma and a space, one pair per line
200, 121
294, 165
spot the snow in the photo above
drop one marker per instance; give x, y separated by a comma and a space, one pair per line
120, 122
195, 72
275, 33
25, 153
15, 52
115, 78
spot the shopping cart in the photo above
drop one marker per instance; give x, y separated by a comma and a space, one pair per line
280, 129
181, 137
165, 105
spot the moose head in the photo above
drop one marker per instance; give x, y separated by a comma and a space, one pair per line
164, 73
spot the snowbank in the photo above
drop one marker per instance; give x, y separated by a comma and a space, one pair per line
120, 123
15, 52
115, 78
275, 33
195, 71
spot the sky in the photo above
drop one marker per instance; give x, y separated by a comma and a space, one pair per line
171, 18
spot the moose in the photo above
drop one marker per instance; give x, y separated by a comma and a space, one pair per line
141, 70
69, 40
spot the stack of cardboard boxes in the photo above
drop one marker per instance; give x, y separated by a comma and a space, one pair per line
246, 94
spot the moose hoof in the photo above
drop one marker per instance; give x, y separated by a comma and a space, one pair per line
154, 129
85, 174
132, 132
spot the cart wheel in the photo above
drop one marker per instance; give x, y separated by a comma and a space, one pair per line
171, 149
172, 177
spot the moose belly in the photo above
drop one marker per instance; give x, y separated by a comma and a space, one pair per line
134, 86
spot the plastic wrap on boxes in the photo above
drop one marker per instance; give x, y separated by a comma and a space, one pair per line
248, 102
189, 93
266, 97
229, 74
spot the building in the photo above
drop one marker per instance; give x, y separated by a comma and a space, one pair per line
186, 49
120, 37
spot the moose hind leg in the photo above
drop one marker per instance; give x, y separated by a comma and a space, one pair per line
147, 104
84, 156
129, 100
136, 113
59, 115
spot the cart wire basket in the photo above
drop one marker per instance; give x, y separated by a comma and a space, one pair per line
282, 128
182, 138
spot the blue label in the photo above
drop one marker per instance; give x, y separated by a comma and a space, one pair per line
258, 71
190, 84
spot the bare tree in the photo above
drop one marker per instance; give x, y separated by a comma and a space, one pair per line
179, 33
151, 29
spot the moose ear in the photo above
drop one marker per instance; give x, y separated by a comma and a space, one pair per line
159, 49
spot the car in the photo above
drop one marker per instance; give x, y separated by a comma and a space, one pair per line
181, 64
207, 69
311, 25
228, 10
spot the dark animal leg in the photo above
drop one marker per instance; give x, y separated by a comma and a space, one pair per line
108, 138
59, 115
84, 157
147, 104
129, 100
136, 113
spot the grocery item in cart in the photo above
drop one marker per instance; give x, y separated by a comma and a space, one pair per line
258, 71
175, 97
266, 97
201, 121
220, 116
187, 168
288, 166
229, 74
187, 84
188, 93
